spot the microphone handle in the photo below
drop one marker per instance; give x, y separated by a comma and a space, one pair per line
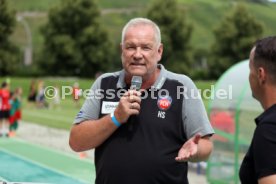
131, 118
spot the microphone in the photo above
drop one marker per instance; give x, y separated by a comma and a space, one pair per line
136, 83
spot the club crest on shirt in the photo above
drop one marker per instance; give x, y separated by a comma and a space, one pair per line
164, 102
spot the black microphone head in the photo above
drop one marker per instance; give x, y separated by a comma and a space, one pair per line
136, 82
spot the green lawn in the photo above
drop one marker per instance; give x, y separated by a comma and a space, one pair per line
61, 116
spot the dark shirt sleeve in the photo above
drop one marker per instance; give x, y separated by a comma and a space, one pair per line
264, 149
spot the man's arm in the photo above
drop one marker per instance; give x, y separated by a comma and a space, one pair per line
196, 126
196, 149
205, 148
92, 133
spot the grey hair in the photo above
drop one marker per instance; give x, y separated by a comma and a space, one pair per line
142, 21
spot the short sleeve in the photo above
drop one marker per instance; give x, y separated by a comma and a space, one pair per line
194, 115
91, 107
264, 149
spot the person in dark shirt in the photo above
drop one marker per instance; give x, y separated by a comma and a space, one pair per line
142, 137
259, 164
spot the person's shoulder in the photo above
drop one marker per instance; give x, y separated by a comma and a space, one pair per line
182, 78
266, 131
100, 78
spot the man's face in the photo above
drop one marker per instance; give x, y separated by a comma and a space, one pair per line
140, 51
253, 78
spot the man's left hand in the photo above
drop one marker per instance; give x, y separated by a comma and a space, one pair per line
189, 151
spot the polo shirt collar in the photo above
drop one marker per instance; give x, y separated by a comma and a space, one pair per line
157, 84
269, 113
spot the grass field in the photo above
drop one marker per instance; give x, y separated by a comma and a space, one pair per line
60, 117
63, 115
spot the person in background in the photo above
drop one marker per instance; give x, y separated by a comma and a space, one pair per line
76, 94
32, 92
142, 139
259, 164
40, 97
4, 109
15, 111
55, 101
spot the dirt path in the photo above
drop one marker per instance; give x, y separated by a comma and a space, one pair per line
50, 137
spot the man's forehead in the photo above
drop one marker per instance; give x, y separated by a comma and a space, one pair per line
140, 42
140, 34
142, 29
137, 40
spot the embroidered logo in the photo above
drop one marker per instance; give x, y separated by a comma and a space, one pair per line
164, 102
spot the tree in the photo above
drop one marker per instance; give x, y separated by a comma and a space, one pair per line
9, 53
75, 41
234, 37
176, 34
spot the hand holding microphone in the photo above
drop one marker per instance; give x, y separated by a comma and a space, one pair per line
129, 104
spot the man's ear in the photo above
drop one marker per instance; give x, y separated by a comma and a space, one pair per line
160, 49
262, 77
160, 52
